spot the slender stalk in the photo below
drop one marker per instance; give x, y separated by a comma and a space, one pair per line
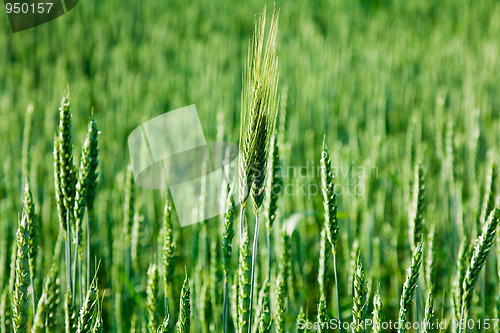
252, 281
88, 249
337, 287
224, 306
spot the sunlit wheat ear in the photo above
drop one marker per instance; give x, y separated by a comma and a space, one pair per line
329, 204
87, 180
479, 255
87, 311
490, 196
464, 256
163, 328
152, 298
66, 176
275, 182
61, 209
300, 318
430, 260
244, 277
258, 109
228, 234
168, 252
323, 316
45, 317
184, 322
377, 312
264, 315
29, 211
429, 325
409, 288
227, 247
69, 313
417, 207
20, 297
360, 299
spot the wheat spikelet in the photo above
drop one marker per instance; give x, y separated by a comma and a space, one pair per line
258, 109
69, 313
264, 316
228, 234
244, 280
87, 310
66, 175
429, 315
479, 255
163, 328
168, 252
328, 192
360, 299
152, 300
184, 322
322, 316
20, 297
409, 288
417, 208
377, 312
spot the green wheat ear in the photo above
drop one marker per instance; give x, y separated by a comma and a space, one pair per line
163, 328
418, 206
264, 316
328, 192
87, 179
152, 299
377, 312
87, 311
244, 277
479, 255
20, 297
275, 182
429, 315
228, 234
184, 322
409, 288
168, 253
66, 175
360, 299
259, 108
322, 315
32, 227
